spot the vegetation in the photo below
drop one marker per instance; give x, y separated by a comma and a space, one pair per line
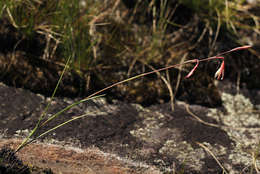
97, 38
109, 38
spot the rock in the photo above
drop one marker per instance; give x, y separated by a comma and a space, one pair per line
128, 138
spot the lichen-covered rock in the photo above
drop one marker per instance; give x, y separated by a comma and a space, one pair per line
191, 139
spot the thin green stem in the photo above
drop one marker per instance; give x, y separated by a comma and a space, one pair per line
54, 128
67, 108
45, 110
138, 76
94, 95
169, 67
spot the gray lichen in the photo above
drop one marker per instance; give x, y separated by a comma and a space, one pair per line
239, 122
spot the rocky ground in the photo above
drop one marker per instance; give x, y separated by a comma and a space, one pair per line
214, 127
120, 137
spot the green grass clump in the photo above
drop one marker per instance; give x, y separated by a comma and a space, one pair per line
64, 25
231, 14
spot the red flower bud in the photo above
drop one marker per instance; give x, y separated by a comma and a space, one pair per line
220, 72
192, 71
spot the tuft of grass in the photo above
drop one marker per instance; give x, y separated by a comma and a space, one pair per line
63, 24
231, 14
232, 18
